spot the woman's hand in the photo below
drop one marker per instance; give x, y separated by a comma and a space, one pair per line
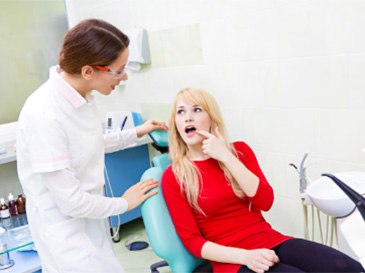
260, 260
139, 192
149, 126
215, 146
257, 260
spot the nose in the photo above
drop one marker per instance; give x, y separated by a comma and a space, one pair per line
125, 77
188, 119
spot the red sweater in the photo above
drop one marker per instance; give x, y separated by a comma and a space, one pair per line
229, 220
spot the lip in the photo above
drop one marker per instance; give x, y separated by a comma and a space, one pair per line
191, 133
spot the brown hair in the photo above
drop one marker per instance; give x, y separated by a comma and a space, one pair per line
91, 42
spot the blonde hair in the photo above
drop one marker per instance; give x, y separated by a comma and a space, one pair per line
184, 169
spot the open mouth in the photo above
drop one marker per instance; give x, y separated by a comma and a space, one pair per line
190, 130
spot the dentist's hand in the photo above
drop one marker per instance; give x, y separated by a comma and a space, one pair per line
215, 146
139, 192
260, 260
149, 126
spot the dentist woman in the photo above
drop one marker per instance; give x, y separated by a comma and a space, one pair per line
60, 153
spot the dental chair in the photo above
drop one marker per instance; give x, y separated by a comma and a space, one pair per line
159, 227
353, 226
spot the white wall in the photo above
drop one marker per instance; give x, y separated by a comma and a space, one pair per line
289, 75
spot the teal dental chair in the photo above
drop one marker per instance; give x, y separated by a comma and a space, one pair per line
159, 227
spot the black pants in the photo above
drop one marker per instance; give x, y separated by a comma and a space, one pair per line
297, 255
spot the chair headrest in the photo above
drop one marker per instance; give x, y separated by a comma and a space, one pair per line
160, 140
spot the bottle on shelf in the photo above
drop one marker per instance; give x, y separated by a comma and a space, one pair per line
20, 203
4, 209
13, 209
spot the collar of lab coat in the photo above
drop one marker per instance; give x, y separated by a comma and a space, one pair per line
67, 91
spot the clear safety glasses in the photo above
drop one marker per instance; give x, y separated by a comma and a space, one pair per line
116, 74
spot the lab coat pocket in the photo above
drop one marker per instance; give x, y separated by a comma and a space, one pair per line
69, 244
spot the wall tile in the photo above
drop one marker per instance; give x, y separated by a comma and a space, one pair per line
345, 26
356, 84
286, 216
309, 83
234, 121
340, 135
280, 130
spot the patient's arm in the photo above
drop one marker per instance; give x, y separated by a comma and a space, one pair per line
264, 196
182, 215
245, 169
214, 145
258, 260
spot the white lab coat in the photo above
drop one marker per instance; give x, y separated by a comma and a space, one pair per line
60, 157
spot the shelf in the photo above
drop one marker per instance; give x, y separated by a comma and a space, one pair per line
7, 142
9, 155
7, 158
17, 234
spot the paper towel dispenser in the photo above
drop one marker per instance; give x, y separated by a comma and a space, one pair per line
139, 49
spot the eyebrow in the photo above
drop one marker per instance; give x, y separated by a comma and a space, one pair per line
182, 106
119, 68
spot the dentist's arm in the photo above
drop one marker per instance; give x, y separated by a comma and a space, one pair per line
149, 126
72, 200
119, 140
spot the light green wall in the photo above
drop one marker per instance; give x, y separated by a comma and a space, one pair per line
31, 33
9, 182
169, 47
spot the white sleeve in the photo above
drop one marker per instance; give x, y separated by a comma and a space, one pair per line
119, 140
46, 142
65, 190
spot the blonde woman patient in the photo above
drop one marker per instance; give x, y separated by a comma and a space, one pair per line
215, 192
